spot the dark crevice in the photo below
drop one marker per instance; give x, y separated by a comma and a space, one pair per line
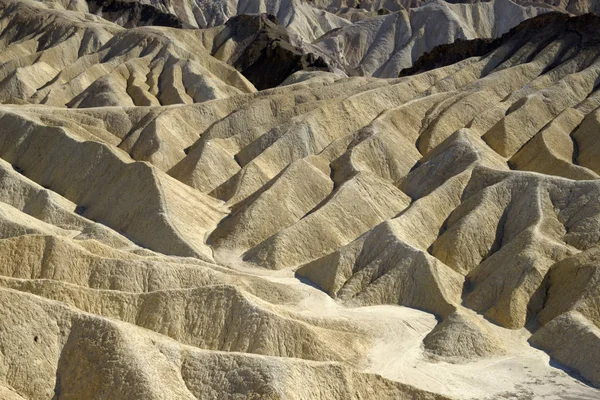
18, 169
268, 57
80, 210
131, 14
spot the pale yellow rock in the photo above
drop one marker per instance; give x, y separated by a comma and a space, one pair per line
551, 151
142, 66
225, 319
463, 335
585, 137
96, 356
332, 224
573, 286
573, 341
110, 185
380, 268
47, 206
9, 394
168, 232
282, 202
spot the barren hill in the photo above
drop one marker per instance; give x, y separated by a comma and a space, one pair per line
384, 45
168, 231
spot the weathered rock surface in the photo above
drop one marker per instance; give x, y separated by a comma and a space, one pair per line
385, 45
300, 17
72, 59
168, 231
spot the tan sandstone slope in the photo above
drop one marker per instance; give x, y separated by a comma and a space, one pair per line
169, 232
73, 59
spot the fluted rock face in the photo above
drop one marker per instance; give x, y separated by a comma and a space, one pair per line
300, 16
576, 7
77, 60
384, 45
357, 37
550, 25
170, 229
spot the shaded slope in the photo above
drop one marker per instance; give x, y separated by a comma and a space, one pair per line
385, 45
254, 44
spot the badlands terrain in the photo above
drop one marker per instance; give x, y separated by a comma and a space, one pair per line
326, 199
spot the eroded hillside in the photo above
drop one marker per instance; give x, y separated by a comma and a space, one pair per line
169, 231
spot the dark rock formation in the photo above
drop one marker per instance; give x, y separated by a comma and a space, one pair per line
540, 29
130, 14
447, 54
265, 55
